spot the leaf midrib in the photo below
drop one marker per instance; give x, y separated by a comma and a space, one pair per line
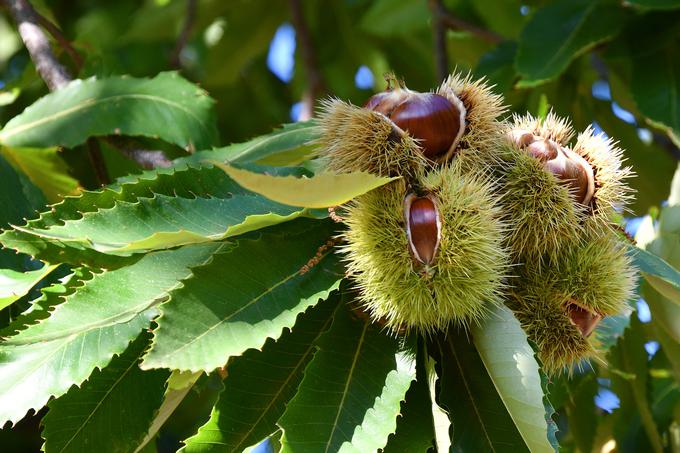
99, 403
467, 389
345, 390
91, 102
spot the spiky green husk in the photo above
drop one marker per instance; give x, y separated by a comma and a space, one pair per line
543, 216
551, 127
465, 280
356, 139
612, 192
597, 275
483, 131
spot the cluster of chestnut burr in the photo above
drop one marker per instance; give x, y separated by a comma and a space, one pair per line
487, 211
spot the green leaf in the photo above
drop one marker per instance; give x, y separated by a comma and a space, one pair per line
415, 427
178, 386
45, 169
258, 386
389, 18
167, 106
480, 419
628, 362
320, 191
14, 285
94, 323
235, 302
655, 85
290, 145
561, 31
111, 411
655, 4
515, 374
95, 219
661, 275
363, 379
167, 221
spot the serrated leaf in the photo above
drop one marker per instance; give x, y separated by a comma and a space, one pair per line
661, 275
363, 378
655, 85
208, 183
320, 191
258, 386
561, 31
168, 221
111, 411
94, 323
114, 106
244, 296
515, 374
415, 428
628, 362
14, 285
289, 145
480, 419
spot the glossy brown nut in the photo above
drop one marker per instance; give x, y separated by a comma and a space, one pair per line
585, 320
428, 117
423, 227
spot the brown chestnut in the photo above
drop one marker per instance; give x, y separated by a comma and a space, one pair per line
585, 320
423, 227
562, 162
431, 118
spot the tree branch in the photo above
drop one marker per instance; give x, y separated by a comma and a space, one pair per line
184, 34
439, 32
315, 82
146, 158
61, 39
455, 23
50, 70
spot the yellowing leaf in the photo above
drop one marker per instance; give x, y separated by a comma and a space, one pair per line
320, 191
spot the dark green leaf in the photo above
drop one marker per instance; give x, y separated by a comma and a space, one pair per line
235, 303
111, 411
362, 378
561, 31
94, 323
661, 275
628, 360
655, 85
114, 106
479, 417
258, 386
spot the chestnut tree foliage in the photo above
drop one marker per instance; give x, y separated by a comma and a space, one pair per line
168, 282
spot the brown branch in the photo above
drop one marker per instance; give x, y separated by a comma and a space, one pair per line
47, 65
315, 84
455, 23
184, 34
146, 158
97, 160
439, 32
61, 39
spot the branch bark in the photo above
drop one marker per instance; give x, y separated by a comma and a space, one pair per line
315, 84
61, 39
184, 34
453, 22
439, 32
50, 70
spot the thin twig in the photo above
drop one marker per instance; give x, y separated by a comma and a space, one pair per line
61, 39
184, 34
315, 84
439, 32
146, 158
97, 160
50, 70
455, 23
